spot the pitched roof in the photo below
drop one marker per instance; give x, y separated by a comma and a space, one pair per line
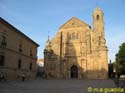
74, 22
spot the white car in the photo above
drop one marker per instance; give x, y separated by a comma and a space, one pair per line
122, 76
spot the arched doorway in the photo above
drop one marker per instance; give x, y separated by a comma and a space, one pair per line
74, 72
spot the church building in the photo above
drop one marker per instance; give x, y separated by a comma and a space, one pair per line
77, 50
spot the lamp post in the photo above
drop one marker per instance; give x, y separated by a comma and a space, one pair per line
117, 65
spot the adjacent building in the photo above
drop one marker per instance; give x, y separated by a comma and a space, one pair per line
18, 53
40, 68
77, 50
40, 62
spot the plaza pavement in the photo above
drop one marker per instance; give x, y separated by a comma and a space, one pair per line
54, 86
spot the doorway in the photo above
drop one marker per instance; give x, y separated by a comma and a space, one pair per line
74, 72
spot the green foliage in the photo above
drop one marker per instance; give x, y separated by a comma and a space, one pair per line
120, 59
121, 54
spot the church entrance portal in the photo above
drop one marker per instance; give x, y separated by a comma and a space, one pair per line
74, 72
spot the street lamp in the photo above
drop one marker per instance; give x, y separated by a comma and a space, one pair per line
117, 64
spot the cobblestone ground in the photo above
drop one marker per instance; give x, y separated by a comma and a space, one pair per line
122, 83
54, 86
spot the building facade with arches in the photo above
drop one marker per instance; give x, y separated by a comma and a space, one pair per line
77, 50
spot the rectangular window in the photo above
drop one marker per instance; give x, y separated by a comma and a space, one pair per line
20, 48
31, 52
2, 60
30, 66
3, 43
19, 64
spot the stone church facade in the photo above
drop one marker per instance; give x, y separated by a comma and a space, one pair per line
77, 50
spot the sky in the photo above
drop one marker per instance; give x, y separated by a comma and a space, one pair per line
36, 18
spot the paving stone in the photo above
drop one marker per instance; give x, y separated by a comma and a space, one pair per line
54, 86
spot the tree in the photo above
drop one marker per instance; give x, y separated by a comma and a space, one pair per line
121, 54
120, 59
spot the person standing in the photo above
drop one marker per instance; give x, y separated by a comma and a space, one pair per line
23, 77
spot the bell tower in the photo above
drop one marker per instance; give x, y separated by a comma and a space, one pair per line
98, 26
99, 43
